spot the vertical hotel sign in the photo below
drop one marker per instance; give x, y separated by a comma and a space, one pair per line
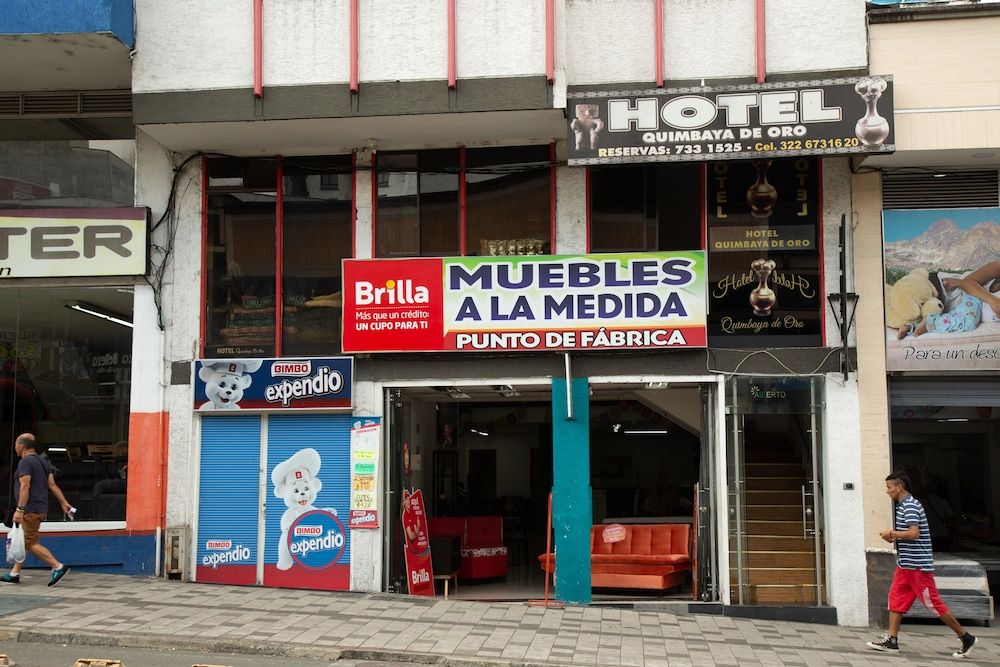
56, 243
573, 302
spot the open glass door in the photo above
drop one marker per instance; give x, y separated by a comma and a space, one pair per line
774, 454
397, 426
704, 587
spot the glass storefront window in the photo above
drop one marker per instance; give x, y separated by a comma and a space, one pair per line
316, 237
241, 295
508, 201
645, 208
418, 205
65, 375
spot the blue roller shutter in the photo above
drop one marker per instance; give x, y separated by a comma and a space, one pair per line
229, 500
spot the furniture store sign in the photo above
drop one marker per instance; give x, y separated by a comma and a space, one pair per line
223, 385
823, 117
57, 243
475, 304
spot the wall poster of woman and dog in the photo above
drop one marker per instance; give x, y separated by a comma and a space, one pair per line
942, 289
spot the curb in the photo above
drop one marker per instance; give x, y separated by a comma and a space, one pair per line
129, 640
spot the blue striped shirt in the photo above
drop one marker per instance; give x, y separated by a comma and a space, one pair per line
913, 554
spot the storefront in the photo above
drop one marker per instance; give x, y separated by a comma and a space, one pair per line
67, 278
266, 433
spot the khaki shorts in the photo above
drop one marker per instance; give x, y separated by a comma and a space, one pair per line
31, 522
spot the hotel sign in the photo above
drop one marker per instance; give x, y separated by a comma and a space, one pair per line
823, 117
57, 243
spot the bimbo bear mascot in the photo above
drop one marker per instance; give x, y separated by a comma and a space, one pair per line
296, 482
225, 380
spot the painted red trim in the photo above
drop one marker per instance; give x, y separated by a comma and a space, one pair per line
354, 45
759, 21
374, 173
462, 211
279, 261
822, 256
354, 204
452, 75
123, 213
587, 216
204, 257
552, 198
258, 48
658, 22
550, 40
704, 206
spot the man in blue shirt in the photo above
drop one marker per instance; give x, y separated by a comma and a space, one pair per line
914, 576
34, 475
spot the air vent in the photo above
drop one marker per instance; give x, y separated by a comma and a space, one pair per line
940, 189
63, 104
10, 105
107, 103
90, 103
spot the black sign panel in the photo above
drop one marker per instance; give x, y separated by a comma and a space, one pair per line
764, 253
824, 117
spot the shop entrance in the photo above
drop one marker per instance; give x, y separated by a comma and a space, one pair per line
482, 455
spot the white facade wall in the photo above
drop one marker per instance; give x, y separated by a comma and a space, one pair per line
206, 45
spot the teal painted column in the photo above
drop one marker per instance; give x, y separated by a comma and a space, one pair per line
572, 513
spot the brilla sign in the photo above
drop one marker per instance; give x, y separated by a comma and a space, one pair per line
824, 117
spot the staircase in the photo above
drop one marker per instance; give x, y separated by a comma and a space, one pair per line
780, 564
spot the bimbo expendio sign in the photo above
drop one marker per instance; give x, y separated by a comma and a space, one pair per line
469, 304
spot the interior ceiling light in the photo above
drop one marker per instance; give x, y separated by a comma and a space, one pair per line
506, 390
939, 175
647, 432
97, 311
657, 385
478, 432
455, 392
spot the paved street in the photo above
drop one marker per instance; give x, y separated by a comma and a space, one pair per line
154, 613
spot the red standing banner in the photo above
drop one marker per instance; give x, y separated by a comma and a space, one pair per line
420, 575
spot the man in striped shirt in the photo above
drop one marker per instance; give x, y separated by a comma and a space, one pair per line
914, 576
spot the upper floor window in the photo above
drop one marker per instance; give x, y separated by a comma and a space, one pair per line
248, 238
646, 208
482, 201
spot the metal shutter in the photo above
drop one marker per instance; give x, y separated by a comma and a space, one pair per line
921, 189
960, 392
330, 435
229, 490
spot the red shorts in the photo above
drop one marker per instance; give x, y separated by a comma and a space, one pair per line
908, 585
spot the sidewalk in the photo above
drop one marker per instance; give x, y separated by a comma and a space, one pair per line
128, 611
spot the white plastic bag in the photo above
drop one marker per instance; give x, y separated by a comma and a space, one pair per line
15, 544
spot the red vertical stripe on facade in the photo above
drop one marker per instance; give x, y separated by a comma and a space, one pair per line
204, 256
552, 198
550, 40
658, 22
354, 203
258, 48
462, 237
354, 45
147, 477
761, 66
279, 262
452, 76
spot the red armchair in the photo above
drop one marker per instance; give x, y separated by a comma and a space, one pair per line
484, 555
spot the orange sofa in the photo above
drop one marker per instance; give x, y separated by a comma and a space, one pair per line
655, 556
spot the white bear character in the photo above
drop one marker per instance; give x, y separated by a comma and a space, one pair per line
225, 380
296, 482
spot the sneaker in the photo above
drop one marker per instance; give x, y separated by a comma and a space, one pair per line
886, 644
11, 578
968, 641
58, 574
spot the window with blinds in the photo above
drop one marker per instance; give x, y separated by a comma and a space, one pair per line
927, 189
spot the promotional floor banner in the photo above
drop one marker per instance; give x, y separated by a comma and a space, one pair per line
420, 575
366, 433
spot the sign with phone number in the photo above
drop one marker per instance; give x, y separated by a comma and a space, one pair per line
823, 117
